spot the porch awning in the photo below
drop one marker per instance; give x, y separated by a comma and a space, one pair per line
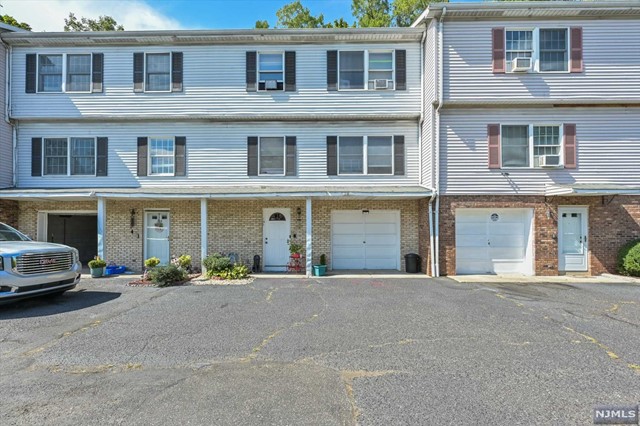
591, 189
220, 192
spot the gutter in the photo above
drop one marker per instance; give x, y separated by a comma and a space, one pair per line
7, 112
421, 120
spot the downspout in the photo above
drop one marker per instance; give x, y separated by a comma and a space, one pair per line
421, 121
437, 141
7, 110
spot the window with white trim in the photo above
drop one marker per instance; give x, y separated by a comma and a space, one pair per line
69, 156
271, 156
547, 49
524, 146
161, 156
158, 72
370, 155
64, 73
78, 73
366, 69
50, 73
270, 70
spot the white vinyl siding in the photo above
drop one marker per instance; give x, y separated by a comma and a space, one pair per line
211, 90
6, 140
217, 153
271, 156
610, 55
608, 150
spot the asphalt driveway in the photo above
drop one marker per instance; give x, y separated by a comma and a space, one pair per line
325, 352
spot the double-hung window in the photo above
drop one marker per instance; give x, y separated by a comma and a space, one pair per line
270, 71
50, 73
366, 69
538, 49
158, 72
371, 155
271, 156
161, 156
78, 73
69, 156
524, 146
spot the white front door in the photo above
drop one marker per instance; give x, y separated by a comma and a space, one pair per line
157, 229
572, 238
275, 231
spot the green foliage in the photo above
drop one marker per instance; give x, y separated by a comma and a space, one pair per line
323, 259
215, 264
166, 275
103, 23
262, 24
405, 12
151, 262
10, 20
97, 263
295, 15
338, 23
371, 13
295, 247
184, 261
237, 272
629, 259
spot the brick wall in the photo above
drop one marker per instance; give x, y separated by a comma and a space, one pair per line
613, 221
28, 212
9, 212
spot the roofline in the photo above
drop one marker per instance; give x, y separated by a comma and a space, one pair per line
254, 36
561, 9
231, 118
7, 27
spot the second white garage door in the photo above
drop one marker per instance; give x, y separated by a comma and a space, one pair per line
494, 241
365, 239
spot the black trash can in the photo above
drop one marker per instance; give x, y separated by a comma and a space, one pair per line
412, 263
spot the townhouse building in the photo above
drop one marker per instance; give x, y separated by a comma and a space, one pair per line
139, 144
533, 113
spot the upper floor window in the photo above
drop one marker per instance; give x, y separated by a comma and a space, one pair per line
50, 73
270, 71
368, 69
161, 156
69, 156
531, 146
539, 49
78, 73
365, 155
158, 72
62, 72
271, 159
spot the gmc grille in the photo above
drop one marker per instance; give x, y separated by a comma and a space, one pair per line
43, 263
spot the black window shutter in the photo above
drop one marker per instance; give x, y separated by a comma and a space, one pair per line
102, 158
290, 71
401, 70
36, 156
252, 76
138, 72
252, 156
97, 72
291, 156
398, 155
332, 155
181, 156
176, 71
142, 156
332, 70
31, 67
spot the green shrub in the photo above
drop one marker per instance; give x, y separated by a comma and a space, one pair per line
183, 261
152, 262
167, 275
216, 263
323, 259
97, 263
238, 271
629, 259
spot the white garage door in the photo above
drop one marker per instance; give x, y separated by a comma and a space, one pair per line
363, 239
494, 241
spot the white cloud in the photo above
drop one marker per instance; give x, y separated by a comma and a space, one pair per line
49, 15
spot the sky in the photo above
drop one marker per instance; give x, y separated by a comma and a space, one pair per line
48, 15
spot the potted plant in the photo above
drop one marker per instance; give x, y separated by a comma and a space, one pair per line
321, 269
295, 249
97, 267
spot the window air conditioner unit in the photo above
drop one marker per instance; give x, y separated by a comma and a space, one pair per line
382, 84
550, 161
521, 64
271, 84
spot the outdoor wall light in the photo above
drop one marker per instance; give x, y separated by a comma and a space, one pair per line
132, 220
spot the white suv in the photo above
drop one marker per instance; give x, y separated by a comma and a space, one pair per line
30, 268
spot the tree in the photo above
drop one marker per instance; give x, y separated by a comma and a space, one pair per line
371, 13
10, 20
295, 15
405, 12
262, 24
338, 23
103, 23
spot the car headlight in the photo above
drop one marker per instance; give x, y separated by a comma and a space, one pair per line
76, 255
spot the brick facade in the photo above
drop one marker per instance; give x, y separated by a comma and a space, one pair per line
9, 212
613, 221
28, 212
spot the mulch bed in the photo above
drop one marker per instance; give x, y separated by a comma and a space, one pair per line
149, 283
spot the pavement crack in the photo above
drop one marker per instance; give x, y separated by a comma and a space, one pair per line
593, 340
348, 377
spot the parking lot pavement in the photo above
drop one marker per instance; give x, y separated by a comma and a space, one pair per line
291, 351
